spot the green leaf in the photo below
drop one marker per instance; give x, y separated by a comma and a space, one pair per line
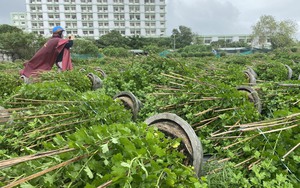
125, 164
256, 154
89, 172
49, 179
104, 148
175, 144
115, 140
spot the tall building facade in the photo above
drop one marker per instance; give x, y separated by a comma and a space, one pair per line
93, 18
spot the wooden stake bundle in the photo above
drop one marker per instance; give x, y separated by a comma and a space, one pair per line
15, 161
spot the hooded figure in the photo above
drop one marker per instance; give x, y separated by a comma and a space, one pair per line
55, 51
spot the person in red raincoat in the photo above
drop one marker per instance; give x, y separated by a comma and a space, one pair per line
55, 51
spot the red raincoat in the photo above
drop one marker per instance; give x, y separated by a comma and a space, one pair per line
45, 58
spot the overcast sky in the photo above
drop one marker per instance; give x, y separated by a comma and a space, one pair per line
206, 16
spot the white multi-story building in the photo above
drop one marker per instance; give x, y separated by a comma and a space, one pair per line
19, 19
208, 39
93, 18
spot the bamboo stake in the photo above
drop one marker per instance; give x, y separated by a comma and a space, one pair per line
13, 184
291, 150
17, 109
235, 125
254, 163
170, 89
174, 83
27, 135
224, 160
225, 109
163, 93
226, 132
106, 184
206, 99
175, 105
200, 127
32, 146
247, 160
246, 139
170, 76
203, 121
215, 170
216, 131
203, 112
5, 116
276, 130
45, 115
296, 102
225, 137
14, 161
289, 85
262, 127
192, 79
53, 134
48, 124
186, 77
271, 122
47, 101
63, 125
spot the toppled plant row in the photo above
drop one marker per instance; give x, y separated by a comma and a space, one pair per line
252, 148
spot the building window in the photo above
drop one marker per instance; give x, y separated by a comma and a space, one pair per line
103, 16
149, 1
134, 17
134, 8
119, 17
118, 1
118, 8
150, 9
102, 8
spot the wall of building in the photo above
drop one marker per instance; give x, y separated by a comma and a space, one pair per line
93, 18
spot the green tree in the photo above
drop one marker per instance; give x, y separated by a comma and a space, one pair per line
116, 52
280, 33
113, 38
136, 42
5, 28
22, 45
85, 46
182, 37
